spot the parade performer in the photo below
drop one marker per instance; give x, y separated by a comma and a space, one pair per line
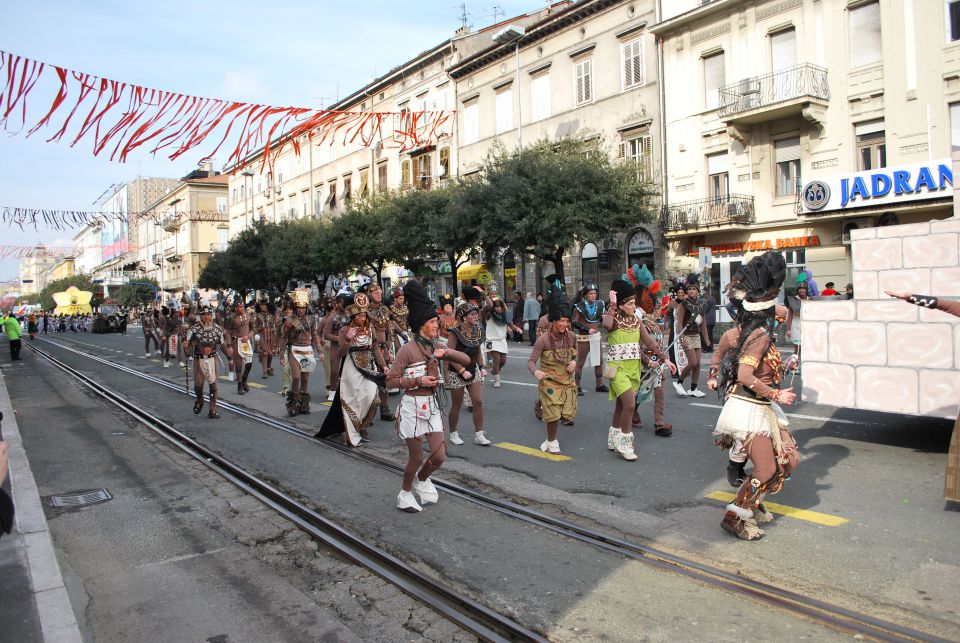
951, 485
170, 324
399, 325
749, 379
379, 317
447, 318
286, 380
556, 382
300, 343
265, 329
416, 370
625, 332
793, 332
237, 329
467, 337
202, 340
587, 316
497, 331
689, 310
334, 322
647, 290
32, 326
362, 374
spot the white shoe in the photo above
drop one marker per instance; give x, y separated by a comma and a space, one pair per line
551, 447
496, 382
612, 438
406, 502
147, 355
480, 438
678, 387
331, 395
696, 393
455, 437
232, 376
625, 446
166, 364
183, 365
159, 352
427, 492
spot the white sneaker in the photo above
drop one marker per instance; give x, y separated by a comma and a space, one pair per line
427, 492
496, 382
678, 387
159, 352
183, 365
166, 364
232, 376
480, 438
625, 446
551, 447
331, 395
612, 438
455, 437
696, 393
406, 502
147, 355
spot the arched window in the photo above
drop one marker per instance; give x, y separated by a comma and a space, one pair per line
640, 250
588, 263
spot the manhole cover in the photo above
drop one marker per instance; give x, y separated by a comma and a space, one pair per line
79, 498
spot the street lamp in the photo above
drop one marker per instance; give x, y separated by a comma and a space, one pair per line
505, 36
246, 197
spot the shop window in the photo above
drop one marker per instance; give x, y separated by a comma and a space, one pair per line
589, 267
871, 145
787, 154
865, 42
714, 78
953, 20
640, 250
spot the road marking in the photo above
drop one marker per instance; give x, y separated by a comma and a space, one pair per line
130, 354
519, 383
255, 385
326, 403
793, 415
537, 453
792, 512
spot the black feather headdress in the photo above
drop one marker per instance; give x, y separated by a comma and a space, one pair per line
421, 308
758, 283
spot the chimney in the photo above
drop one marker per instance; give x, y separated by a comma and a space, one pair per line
207, 166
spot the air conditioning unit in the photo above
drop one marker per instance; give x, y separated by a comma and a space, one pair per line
854, 224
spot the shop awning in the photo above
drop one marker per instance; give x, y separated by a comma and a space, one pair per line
471, 272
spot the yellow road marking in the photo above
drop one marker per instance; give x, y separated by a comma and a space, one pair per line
326, 403
537, 453
255, 385
784, 510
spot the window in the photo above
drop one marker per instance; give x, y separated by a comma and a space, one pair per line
331, 195
346, 195
382, 177
243, 191
589, 263
783, 49
471, 123
955, 125
631, 54
222, 204
583, 81
303, 204
640, 250
787, 155
865, 45
871, 145
714, 78
445, 162
504, 110
953, 20
421, 171
718, 172
405, 174
540, 97
364, 184
234, 195
640, 151
317, 200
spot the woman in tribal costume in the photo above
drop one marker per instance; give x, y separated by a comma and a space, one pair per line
286, 379
556, 380
750, 379
647, 290
625, 332
467, 337
300, 345
202, 340
692, 332
447, 319
497, 331
264, 325
416, 370
362, 369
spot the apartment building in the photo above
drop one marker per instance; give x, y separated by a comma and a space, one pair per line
64, 268
182, 229
584, 70
790, 123
35, 270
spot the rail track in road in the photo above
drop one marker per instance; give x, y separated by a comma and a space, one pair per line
473, 616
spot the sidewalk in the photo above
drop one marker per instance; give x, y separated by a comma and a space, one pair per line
34, 604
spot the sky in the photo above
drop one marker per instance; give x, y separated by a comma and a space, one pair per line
284, 53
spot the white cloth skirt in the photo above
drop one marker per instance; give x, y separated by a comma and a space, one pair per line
358, 400
417, 416
741, 417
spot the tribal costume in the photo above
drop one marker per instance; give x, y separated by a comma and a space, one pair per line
587, 317
557, 384
203, 339
749, 378
171, 327
399, 326
498, 328
300, 344
334, 322
237, 329
149, 323
467, 337
692, 326
379, 317
362, 369
264, 325
650, 311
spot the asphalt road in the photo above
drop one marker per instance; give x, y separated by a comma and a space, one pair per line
876, 535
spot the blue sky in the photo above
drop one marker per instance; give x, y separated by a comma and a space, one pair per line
280, 52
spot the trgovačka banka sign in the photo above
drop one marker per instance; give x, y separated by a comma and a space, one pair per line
882, 186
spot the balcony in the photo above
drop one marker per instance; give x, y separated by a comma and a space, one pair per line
218, 247
798, 90
733, 210
170, 223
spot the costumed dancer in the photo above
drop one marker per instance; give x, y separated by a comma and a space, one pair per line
379, 317
587, 316
286, 380
237, 329
951, 485
265, 329
416, 370
556, 382
399, 324
497, 331
300, 343
32, 326
447, 318
749, 379
362, 369
689, 311
202, 340
467, 337
170, 328
334, 322
625, 333
647, 289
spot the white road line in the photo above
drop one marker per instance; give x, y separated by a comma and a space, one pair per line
793, 415
519, 383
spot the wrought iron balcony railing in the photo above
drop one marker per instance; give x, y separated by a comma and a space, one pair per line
770, 89
218, 247
734, 209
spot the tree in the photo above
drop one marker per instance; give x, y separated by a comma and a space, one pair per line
545, 198
449, 229
363, 234
303, 249
135, 295
241, 267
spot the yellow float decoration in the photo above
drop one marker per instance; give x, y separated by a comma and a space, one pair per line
73, 301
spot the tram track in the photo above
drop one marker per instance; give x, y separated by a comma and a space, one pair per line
807, 607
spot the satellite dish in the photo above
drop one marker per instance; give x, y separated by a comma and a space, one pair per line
440, 171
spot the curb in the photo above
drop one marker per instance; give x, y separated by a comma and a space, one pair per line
57, 619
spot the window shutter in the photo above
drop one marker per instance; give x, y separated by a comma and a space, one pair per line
646, 158
622, 150
632, 64
405, 173
540, 94
783, 49
717, 164
787, 150
504, 111
865, 45
714, 77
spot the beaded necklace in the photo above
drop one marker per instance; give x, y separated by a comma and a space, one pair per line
591, 309
628, 323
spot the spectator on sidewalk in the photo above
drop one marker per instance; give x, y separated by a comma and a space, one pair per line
11, 328
849, 293
531, 315
829, 291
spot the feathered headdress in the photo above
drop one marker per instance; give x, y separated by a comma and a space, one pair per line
644, 285
758, 283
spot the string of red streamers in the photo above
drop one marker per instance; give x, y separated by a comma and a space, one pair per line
22, 252
66, 219
120, 117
